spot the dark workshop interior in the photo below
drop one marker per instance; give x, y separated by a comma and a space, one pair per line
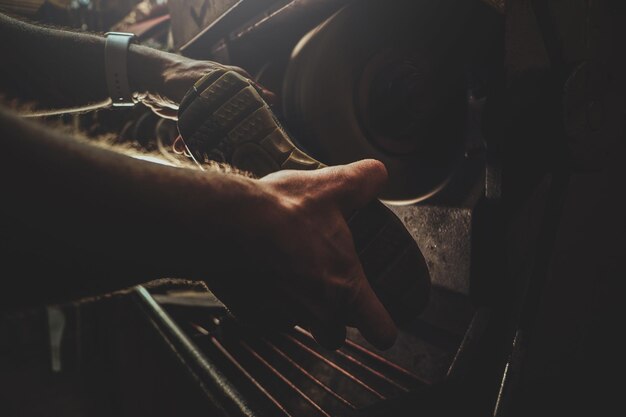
495, 246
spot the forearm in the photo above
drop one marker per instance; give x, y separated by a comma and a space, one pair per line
53, 69
112, 220
278, 247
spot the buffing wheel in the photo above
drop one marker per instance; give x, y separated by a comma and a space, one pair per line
381, 81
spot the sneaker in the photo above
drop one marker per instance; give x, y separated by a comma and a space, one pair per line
223, 118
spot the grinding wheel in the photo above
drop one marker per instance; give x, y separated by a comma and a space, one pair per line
382, 80
223, 118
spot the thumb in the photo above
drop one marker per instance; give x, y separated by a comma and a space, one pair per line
371, 318
360, 182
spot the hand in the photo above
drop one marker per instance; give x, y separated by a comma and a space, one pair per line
162, 79
304, 268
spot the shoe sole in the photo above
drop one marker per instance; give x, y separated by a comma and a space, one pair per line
223, 118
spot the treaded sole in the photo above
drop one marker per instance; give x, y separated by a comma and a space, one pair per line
224, 118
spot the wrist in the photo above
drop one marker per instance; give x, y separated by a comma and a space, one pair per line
146, 67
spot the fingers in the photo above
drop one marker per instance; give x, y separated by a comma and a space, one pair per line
167, 113
371, 318
346, 188
367, 314
270, 97
238, 70
360, 182
364, 311
267, 95
161, 109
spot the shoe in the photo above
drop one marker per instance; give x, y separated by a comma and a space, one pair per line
223, 118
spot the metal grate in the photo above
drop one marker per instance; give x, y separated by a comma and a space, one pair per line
259, 372
288, 374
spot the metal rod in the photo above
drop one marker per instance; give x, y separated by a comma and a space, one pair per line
236, 363
309, 375
363, 366
335, 366
372, 371
386, 362
373, 355
284, 379
199, 329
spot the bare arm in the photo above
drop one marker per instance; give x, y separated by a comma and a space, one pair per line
53, 70
80, 220
118, 220
101, 220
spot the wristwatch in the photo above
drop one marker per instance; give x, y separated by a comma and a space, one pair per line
116, 68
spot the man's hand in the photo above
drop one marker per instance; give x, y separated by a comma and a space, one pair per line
276, 249
305, 267
55, 71
162, 79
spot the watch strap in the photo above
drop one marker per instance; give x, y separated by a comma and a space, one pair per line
116, 68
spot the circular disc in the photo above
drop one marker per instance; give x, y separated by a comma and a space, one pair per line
381, 81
